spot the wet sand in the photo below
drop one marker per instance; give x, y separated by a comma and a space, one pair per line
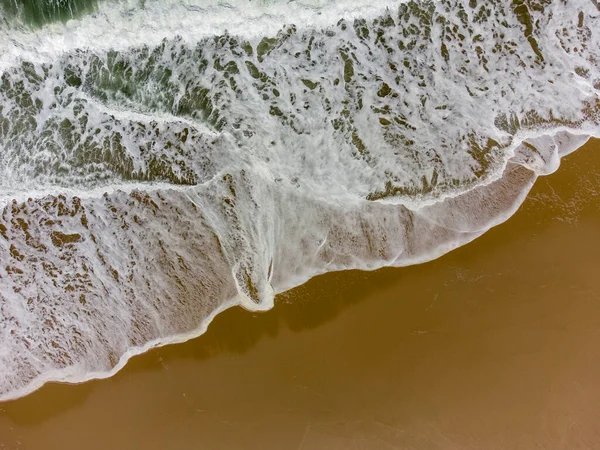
493, 346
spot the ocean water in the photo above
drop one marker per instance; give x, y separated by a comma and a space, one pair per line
161, 161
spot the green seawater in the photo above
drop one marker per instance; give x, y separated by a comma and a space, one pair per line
36, 13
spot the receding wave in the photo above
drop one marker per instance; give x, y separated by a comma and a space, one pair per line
157, 167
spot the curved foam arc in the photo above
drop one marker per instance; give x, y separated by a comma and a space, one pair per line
7, 196
152, 183
579, 138
73, 375
128, 115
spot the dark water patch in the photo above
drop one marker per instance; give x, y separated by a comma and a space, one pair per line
36, 13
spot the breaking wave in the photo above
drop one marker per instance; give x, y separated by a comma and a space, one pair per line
165, 160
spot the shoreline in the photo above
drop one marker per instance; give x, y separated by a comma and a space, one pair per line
54, 377
457, 353
61, 375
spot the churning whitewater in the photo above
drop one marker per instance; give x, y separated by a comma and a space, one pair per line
163, 161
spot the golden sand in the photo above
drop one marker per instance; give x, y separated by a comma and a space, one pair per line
494, 346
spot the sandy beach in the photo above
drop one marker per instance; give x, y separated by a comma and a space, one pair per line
493, 346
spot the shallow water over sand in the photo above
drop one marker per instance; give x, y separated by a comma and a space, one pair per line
492, 346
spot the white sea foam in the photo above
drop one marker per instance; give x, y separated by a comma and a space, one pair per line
120, 24
155, 170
